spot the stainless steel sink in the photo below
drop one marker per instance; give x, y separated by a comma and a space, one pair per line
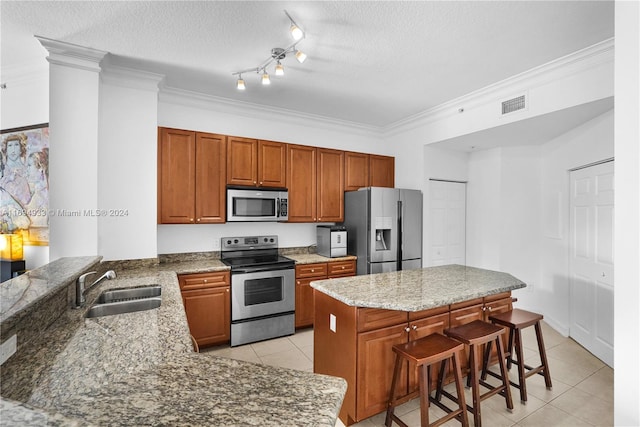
114, 295
121, 307
129, 300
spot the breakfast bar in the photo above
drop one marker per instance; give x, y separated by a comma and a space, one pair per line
364, 316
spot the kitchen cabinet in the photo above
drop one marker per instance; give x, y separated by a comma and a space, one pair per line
368, 170
305, 274
191, 177
366, 336
207, 303
381, 171
375, 353
315, 179
256, 163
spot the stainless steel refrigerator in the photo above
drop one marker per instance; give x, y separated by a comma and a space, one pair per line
384, 228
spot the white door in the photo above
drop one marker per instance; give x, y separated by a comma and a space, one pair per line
447, 222
591, 259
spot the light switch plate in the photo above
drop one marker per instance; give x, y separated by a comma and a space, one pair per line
8, 348
332, 322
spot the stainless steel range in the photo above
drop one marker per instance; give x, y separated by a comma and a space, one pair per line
262, 289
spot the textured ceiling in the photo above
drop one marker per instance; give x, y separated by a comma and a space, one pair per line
372, 63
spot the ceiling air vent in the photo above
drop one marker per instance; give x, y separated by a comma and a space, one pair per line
515, 104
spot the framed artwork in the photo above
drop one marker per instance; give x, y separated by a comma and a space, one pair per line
24, 183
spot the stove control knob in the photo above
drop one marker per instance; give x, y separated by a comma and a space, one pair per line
235, 241
266, 240
228, 242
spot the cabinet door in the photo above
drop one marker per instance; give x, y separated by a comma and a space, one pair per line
381, 171
420, 329
375, 363
211, 162
242, 161
176, 176
301, 182
304, 303
271, 164
356, 170
208, 314
330, 183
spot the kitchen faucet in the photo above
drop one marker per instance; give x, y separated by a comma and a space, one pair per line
81, 290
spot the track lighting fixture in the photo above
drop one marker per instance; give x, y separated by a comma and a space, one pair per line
278, 54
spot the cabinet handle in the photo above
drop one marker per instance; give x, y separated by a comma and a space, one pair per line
407, 329
190, 219
260, 182
198, 220
414, 327
312, 270
489, 308
205, 280
343, 267
226, 290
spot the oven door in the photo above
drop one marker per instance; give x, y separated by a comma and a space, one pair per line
262, 293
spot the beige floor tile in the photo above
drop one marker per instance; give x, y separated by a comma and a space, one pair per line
572, 370
549, 416
599, 384
303, 338
292, 359
585, 406
276, 345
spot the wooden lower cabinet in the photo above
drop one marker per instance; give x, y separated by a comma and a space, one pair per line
305, 274
365, 338
207, 304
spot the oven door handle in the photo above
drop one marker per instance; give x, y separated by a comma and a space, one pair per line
258, 269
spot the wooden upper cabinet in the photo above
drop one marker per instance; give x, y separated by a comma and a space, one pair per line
211, 156
256, 163
176, 176
191, 177
272, 160
330, 182
356, 171
381, 171
242, 161
301, 182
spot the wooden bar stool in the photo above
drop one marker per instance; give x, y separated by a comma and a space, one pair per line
475, 334
516, 320
425, 352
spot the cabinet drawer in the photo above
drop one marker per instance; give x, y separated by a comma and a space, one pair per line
341, 268
190, 282
318, 271
496, 297
417, 315
375, 318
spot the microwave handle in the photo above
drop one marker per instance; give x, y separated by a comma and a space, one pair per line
278, 207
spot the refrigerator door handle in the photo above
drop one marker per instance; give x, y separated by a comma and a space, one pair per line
400, 231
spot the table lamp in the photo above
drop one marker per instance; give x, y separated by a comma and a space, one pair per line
11, 247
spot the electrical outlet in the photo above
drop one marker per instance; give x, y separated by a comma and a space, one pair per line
216, 244
8, 348
332, 322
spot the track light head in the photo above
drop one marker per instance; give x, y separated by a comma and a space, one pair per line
240, 83
300, 56
279, 69
265, 78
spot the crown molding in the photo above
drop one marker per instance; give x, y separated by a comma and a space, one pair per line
256, 111
71, 55
131, 78
576, 62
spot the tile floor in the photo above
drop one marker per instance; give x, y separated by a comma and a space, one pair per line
582, 393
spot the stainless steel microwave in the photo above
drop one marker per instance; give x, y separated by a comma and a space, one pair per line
255, 204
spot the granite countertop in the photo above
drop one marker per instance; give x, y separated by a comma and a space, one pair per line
420, 289
140, 369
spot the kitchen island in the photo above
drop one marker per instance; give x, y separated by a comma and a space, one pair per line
364, 316
140, 368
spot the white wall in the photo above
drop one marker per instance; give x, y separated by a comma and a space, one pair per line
627, 200
127, 169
